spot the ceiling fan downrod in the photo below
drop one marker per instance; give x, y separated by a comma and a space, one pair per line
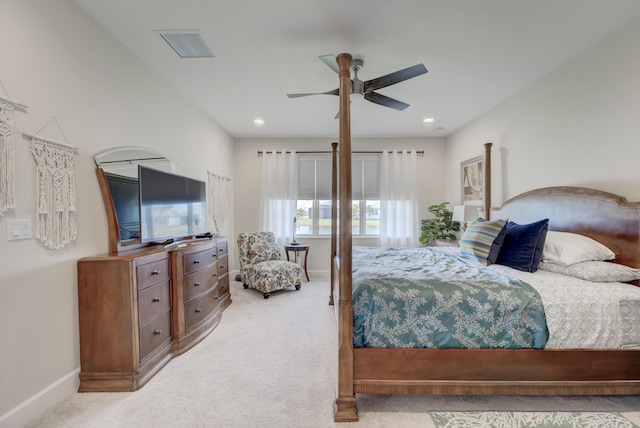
357, 85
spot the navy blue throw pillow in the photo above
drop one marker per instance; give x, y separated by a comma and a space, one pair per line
523, 245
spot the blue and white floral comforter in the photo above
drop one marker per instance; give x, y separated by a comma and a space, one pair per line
428, 298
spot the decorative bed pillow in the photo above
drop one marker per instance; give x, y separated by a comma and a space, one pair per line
595, 271
523, 244
481, 240
567, 248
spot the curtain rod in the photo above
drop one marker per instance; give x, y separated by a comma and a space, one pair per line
129, 161
260, 152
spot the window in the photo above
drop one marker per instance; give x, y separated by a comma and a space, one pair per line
314, 195
365, 178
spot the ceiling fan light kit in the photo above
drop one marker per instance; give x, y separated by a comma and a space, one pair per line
367, 88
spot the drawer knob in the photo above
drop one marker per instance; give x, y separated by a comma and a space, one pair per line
221, 266
215, 298
214, 274
155, 272
157, 332
156, 299
196, 262
198, 310
197, 284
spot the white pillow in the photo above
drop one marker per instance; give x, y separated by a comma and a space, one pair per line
569, 248
595, 271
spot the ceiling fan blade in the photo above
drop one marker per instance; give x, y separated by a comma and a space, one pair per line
393, 78
374, 97
334, 92
330, 60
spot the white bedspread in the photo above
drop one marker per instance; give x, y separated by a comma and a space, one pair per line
582, 314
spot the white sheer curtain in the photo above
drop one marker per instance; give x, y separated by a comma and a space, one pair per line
279, 195
398, 196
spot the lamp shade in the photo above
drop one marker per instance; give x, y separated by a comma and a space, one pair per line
464, 213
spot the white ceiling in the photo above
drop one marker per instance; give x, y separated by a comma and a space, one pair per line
478, 53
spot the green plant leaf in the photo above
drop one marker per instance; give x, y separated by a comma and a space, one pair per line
440, 227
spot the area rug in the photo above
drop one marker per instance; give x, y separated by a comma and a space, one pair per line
530, 420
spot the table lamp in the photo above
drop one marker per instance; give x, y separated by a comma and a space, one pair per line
464, 214
293, 234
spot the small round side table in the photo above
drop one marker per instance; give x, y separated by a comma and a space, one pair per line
297, 248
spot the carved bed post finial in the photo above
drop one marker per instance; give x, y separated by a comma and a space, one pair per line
486, 187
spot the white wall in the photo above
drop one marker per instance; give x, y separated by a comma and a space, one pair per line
578, 126
59, 62
248, 167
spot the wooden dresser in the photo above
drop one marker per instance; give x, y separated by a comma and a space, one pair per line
139, 309
224, 293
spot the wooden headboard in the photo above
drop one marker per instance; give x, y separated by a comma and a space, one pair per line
609, 219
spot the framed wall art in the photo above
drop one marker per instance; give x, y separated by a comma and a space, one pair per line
471, 180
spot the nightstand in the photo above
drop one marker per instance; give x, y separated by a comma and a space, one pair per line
296, 248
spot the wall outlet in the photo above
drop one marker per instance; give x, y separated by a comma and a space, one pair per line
18, 229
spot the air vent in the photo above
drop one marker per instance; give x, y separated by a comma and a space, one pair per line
187, 44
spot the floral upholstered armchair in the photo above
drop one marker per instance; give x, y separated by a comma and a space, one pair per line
261, 266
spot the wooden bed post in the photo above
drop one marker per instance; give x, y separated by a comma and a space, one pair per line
346, 401
334, 214
486, 187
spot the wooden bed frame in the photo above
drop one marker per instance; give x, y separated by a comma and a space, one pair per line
607, 218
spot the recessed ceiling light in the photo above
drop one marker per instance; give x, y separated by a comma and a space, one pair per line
428, 119
258, 121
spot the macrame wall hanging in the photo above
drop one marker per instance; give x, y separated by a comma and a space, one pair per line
56, 197
7, 171
219, 200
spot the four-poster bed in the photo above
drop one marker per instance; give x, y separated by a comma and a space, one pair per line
606, 218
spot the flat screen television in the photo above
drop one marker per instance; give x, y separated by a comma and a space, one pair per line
172, 206
125, 197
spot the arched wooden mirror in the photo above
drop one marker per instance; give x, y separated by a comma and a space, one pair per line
117, 171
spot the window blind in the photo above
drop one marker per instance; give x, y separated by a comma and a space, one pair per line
315, 177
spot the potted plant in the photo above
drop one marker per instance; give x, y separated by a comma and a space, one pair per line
439, 227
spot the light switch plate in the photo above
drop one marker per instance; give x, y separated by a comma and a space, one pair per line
18, 229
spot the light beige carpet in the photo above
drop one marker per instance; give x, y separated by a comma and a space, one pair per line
273, 363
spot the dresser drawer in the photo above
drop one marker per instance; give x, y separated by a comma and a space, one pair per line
151, 273
199, 282
154, 333
223, 285
223, 267
199, 260
153, 301
222, 248
199, 308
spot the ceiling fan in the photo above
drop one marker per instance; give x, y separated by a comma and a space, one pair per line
368, 87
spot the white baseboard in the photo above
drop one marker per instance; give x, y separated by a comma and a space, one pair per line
319, 274
30, 409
